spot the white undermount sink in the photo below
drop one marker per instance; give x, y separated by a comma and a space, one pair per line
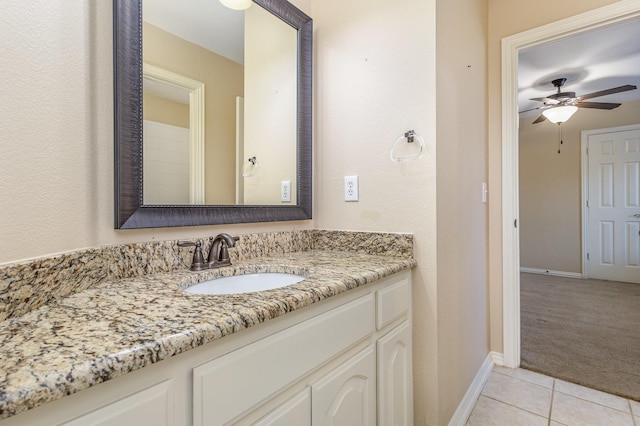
246, 283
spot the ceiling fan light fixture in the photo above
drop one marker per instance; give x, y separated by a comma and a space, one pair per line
559, 114
237, 4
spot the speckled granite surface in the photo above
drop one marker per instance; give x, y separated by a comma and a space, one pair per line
29, 285
386, 244
108, 327
26, 286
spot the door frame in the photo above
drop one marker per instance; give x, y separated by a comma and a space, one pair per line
195, 90
616, 12
584, 143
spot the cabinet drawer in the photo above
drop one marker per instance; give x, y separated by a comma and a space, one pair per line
228, 386
393, 301
153, 406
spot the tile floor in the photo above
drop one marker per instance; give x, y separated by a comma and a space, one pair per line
521, 397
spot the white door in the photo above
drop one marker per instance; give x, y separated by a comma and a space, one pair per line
613, 244
240, 160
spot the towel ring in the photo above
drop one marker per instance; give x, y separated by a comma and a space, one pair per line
410, 137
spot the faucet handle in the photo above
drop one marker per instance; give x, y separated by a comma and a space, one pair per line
197, 264
224, 253
224, 248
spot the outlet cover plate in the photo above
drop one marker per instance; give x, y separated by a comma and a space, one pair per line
351, 188
285, 191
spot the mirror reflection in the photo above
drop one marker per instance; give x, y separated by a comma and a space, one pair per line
219, 105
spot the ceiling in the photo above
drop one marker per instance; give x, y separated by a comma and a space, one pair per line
591, 61
206, 23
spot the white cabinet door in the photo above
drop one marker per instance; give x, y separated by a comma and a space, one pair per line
296, 411
229, 386
395, 382
151, 406
347, 395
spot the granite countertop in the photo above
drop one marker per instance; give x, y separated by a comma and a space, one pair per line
119, 326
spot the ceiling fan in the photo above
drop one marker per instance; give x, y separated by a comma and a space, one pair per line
560, 106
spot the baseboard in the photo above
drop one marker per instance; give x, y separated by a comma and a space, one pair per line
550, 272
497, 358
465, 407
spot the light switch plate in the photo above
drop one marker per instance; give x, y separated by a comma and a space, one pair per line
351, 188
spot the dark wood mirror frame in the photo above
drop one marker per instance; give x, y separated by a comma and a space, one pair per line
130, 213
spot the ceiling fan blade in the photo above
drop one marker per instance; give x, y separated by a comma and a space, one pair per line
542, 99
539, 119
527, 110
597, 105
607, 92
538, 108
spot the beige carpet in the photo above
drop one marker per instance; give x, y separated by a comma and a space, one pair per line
582, 331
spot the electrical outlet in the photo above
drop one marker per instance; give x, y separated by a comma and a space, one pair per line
351, 188
285, 191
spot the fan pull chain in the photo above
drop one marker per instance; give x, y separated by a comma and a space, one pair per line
560, 134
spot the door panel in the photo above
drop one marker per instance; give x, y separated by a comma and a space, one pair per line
347, 395
614, 206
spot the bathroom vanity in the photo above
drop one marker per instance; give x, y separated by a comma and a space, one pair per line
109, 336
336, 345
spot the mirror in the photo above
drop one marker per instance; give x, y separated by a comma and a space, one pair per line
251, 177
216, 80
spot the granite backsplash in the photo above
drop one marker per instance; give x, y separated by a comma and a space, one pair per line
26, 286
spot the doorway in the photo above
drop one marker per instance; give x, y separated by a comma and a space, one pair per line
166, 90
617, 12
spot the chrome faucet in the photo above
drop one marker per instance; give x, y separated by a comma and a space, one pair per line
218, 252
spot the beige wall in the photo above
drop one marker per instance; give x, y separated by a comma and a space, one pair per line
507, 17
550, 187
56, 168
223, 80
165, 111
374, 80
375, 70
463, 329
270, 106
374, 83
